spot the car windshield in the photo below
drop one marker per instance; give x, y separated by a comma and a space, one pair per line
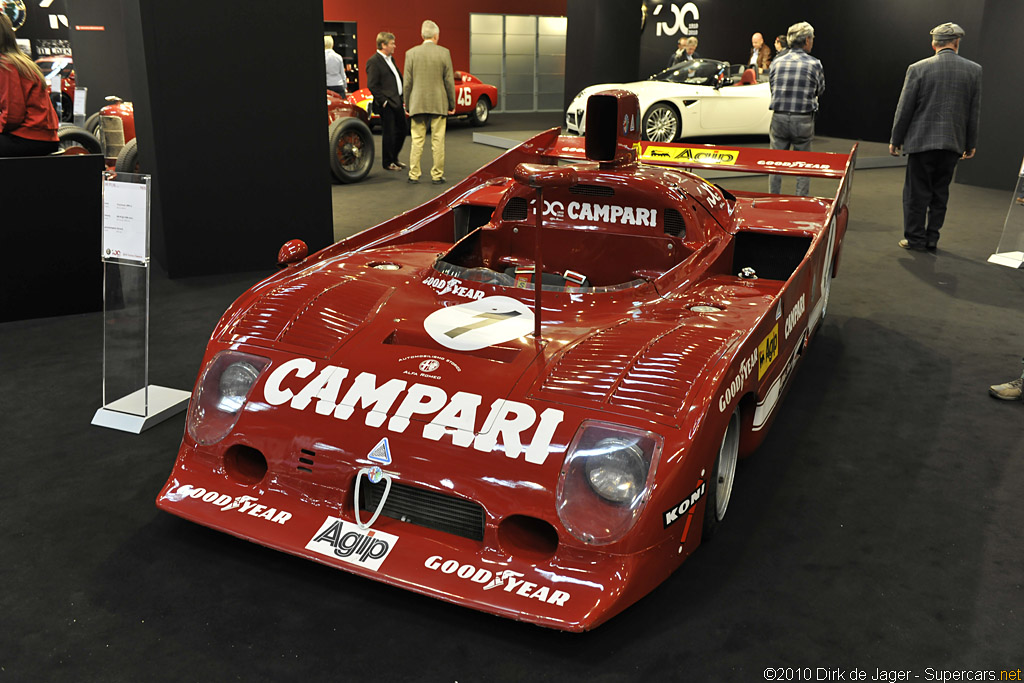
696, 72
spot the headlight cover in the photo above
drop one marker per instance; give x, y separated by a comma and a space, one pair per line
221, 394
606, 480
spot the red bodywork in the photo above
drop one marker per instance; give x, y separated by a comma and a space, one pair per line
65, 70
468, 90
408, 347
338, 107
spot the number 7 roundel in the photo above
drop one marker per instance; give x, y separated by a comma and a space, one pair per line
479, 324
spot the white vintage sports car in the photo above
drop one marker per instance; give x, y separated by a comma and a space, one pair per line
702, 97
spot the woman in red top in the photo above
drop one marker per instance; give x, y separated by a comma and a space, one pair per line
28, 123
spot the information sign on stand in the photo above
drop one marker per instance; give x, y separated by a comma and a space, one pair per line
130, 402
1010, 251
81, 94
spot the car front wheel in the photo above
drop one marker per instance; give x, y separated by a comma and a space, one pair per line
481, 112
661, 123
352, 150
128, 158
74, 140
722, 477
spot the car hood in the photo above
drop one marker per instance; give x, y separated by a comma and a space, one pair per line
648, 91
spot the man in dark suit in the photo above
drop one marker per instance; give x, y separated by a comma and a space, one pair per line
936, 125
385, 84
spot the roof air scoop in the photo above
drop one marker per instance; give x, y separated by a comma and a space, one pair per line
613, 127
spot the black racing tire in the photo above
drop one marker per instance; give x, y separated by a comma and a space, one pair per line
351, 148
723, 475
94, 124
661, 123
128, 159
69, 135
481, 112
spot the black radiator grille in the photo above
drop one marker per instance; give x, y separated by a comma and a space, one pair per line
674, 224
592, 190
425, 508
515, 210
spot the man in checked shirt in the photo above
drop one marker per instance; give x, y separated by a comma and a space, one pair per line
796, 80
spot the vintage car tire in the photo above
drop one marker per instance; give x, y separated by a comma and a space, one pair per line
94, 124
661, 123
128, 159
723, 475
481, 112
352, 149
69, 135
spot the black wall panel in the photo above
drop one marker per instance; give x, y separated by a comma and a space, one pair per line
52, 212
602, 44
1000, 142
101, 56
236, 139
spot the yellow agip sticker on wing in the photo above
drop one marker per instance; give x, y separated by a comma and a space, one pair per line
767, 350
701, 155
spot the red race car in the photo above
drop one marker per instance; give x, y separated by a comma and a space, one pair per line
62, 67
349, 137
410, 406
473, 99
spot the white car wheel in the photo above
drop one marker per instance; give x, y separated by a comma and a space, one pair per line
661, 124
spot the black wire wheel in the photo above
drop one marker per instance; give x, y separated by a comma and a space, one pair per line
352, 149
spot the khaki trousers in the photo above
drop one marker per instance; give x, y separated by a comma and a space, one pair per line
418, 124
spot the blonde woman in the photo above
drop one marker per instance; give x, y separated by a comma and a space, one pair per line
28, 123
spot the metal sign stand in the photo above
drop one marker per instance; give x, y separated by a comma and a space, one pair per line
126, 198
1010, 251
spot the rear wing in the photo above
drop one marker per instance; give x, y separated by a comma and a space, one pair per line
744, 159
721, 157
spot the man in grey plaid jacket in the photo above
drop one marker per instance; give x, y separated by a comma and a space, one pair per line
936, 125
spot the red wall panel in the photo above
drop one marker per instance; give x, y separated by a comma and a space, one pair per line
403, 18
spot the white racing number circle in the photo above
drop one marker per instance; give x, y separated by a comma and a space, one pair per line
479, 324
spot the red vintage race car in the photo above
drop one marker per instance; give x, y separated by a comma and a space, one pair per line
473, 99
349, 137
62, 67
410, 406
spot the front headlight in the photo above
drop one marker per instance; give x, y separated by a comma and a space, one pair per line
606, 480
616, 470
221, 394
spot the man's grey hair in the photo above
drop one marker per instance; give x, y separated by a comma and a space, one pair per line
692, 39
798, 34
429, 30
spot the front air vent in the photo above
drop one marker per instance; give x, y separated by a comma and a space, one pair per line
306, 460
592, 190
674, 224
515, 210
425, 508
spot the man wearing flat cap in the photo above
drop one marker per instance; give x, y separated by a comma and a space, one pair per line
936, 125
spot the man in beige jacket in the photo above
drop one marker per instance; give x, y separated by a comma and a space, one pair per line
429, 87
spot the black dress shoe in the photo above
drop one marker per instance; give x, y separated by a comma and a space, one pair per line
439, 181
414, 181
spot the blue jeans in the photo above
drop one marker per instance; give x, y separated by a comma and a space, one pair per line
791, 131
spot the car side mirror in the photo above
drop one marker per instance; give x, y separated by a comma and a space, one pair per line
292, 252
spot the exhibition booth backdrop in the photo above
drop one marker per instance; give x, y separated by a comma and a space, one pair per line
235, 146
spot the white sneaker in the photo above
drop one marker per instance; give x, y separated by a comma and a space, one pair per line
1010, 391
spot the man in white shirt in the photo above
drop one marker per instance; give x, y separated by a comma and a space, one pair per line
385, 84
